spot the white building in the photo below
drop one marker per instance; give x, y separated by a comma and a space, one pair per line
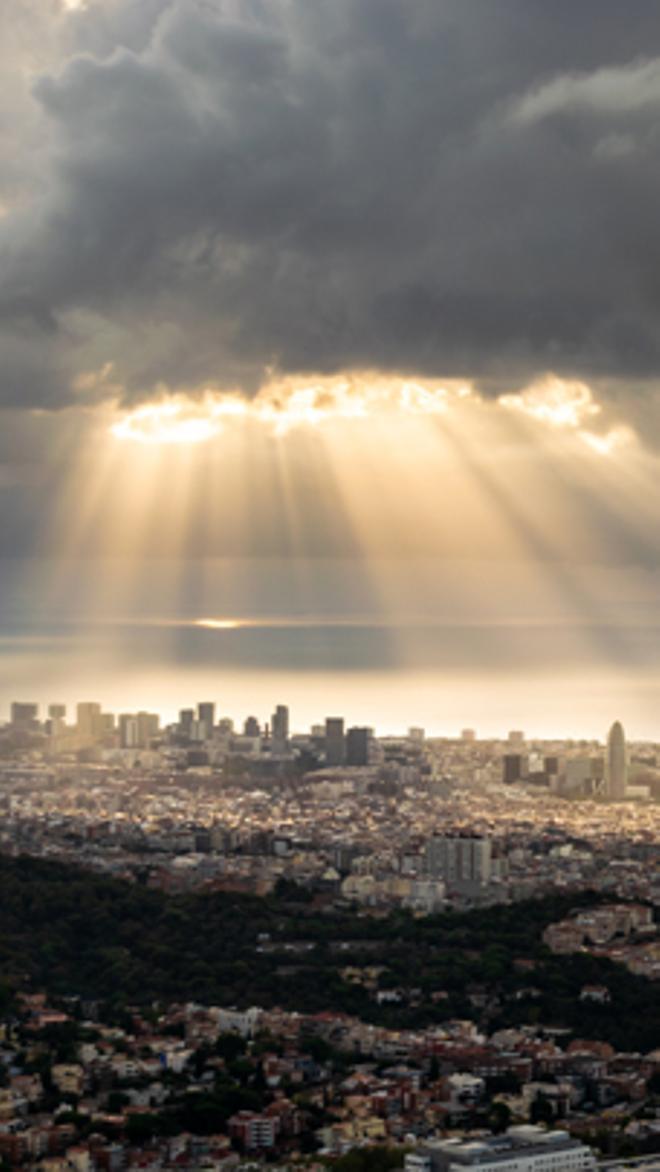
521, 1149
238, 1021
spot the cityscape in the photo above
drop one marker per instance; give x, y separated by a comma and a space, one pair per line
419, 823
313, 1038
329, 586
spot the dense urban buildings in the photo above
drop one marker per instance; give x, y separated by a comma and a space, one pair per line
334, 1033
377, 821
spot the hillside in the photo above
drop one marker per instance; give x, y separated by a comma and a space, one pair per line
69, 931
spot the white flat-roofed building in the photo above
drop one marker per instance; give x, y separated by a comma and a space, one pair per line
238, 1021
521, 1149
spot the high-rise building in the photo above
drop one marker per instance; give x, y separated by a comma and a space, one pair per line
89, 721
280, 729
138, 731
206, 716
128, 731
56, 724
280, 722
516, 737
24, 715
335, 741
514, 767
358, 741
251, 727
459, 859
186, 718
148, 727
468, 734
617, 768
578, 775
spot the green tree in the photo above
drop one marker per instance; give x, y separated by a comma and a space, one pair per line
541, 1110
499, 1117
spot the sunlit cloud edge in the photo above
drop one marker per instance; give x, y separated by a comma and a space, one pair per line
288, 404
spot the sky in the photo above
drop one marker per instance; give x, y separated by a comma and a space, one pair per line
329, 348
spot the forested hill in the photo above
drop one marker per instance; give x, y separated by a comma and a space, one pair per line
69, 931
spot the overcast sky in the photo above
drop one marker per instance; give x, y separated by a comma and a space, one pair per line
197, 189
219, 193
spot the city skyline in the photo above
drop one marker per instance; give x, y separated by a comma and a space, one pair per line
308, 708
204, 719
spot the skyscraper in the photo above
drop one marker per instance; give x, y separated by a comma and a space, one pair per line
128, 733
617, 768
186, 719
206, 717
357, 746
148, 726
137, 731
280, 729
24, 715
335, 743
89, 721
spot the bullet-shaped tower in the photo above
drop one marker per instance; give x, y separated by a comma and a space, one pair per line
617, 767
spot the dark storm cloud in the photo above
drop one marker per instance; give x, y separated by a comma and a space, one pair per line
448, 186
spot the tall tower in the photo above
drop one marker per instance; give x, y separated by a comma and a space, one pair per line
279, 726
335, 743
358, 741
617, 767
206, 718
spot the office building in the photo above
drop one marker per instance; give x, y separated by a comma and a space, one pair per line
128, 734
280, 729
24, 715
358, 741
206, 717
251, 727
138, 731
583, 776
616, 763
521, 1149
514, 767
186, 719
335, 741
280, 722
148, 727
89, 721
57, 711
